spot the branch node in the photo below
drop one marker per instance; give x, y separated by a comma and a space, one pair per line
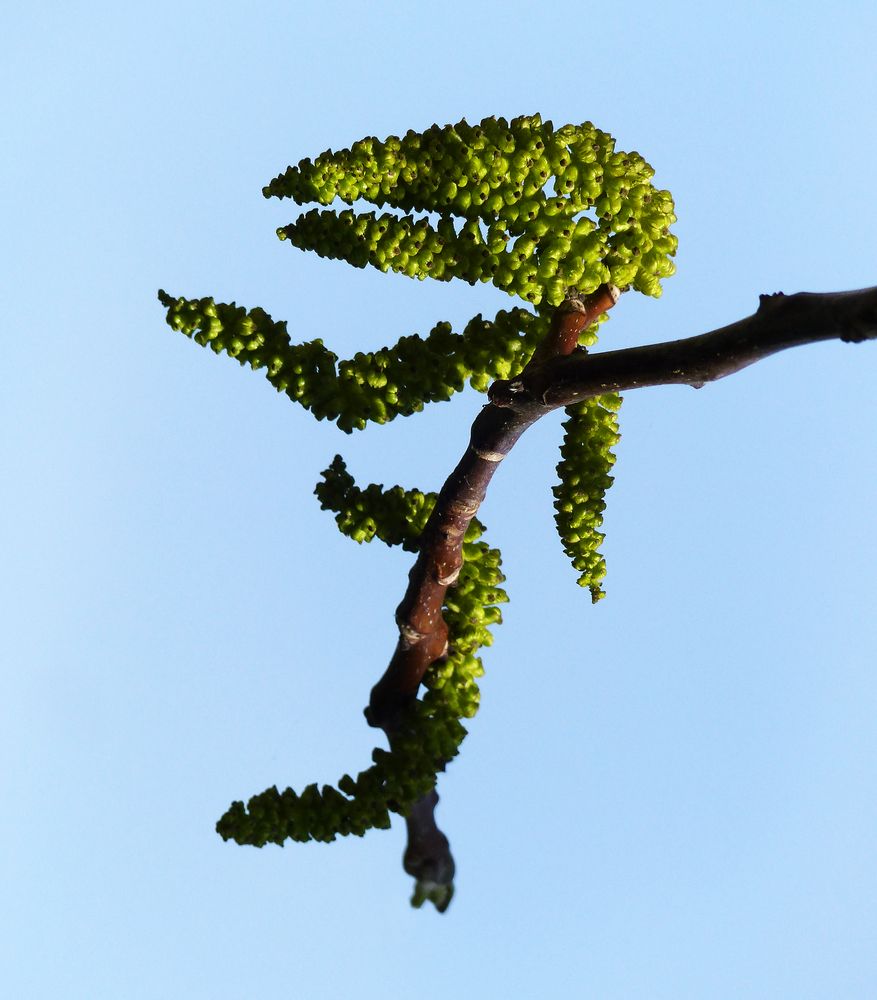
409, 636
767, 300
490, 456
450, 579
504, 393
463, 508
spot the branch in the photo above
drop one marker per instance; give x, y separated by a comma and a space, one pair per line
423, 633
780, 322
560, 374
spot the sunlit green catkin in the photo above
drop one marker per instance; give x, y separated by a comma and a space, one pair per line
504, 197
373, 386
590, 433
431, 733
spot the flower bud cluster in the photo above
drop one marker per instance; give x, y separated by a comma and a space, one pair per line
534, 209
590, 433
431, 733
372, 386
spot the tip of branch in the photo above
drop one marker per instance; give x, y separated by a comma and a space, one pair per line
434, 892
601, 300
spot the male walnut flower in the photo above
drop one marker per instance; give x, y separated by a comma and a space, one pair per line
542, 213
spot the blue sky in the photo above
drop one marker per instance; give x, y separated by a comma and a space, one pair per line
670, 794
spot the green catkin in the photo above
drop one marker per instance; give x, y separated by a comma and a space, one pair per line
524, 182
432, 732
538, 211
590, 433
375, 386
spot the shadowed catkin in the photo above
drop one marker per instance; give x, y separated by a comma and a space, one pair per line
431, 732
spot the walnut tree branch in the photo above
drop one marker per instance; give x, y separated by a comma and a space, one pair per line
423, 633
780, 322
561, 375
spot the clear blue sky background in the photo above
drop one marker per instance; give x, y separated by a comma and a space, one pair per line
669, 795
